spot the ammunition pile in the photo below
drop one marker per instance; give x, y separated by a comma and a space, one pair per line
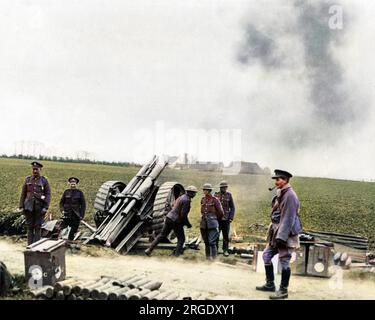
352, 241
107, 288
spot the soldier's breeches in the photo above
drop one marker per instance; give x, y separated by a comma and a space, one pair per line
34, 218
180, 234
210, 237
74, 225
285, 255
34, 221
178, 229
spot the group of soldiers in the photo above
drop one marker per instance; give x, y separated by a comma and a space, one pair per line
217, 213
36, 198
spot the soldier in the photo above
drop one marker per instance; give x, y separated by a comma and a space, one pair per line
212, 212
34, 201
227, 203
283, 234
175, 220
73, 207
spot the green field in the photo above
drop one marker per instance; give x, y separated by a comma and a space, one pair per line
326, 204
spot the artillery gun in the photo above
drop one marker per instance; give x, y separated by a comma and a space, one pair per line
126, 212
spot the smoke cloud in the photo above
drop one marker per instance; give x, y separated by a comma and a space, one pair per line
303, 47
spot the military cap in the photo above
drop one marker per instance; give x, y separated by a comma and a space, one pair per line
207, 186
73, 178
282, 174
223, 184
36, 164
192, 189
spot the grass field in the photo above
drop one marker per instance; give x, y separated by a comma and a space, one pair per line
326, 204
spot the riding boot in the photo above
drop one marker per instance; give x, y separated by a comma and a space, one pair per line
152, 246
207, 249
37, 234
270, 278
282, 293
30, 235
213, 252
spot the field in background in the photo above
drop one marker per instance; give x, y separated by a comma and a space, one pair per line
326, 204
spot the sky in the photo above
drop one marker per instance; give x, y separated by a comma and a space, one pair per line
263, 81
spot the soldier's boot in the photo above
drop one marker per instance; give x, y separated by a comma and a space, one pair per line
152, 247
179, 250
270, 280
207, 248
225, 248
282, 293
213, 252
37, 234
30, 235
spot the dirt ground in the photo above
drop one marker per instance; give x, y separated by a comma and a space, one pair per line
211, 279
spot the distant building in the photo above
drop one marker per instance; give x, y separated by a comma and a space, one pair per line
207, 166
247, 168
185, 161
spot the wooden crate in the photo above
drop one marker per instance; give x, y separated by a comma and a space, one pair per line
45, 263
320, 258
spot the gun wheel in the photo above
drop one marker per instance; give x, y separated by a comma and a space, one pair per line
105, 199
164, 201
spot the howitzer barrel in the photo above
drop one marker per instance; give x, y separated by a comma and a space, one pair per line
138, 195
117, 209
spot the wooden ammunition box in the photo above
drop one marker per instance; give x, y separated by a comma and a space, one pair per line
319, 260
45, 263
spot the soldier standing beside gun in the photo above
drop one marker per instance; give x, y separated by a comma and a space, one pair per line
175, 220
34, 201
73, 207
282, 235
212, 212
227, 203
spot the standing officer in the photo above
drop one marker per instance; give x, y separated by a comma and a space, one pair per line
227, 203
212, 212
34, 201
175, 220
73, 207
282, 235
